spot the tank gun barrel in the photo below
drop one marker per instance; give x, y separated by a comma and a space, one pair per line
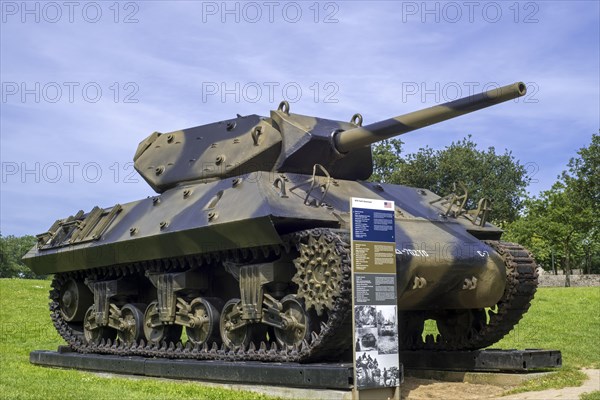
351, 139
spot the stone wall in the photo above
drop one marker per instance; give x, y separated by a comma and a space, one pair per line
550, 280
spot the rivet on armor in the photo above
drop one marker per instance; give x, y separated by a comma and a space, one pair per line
163, 224
186, 193
236, 182
156, 201
170, 138
220, 159
212, 216
231, 126
132, 231
159, 170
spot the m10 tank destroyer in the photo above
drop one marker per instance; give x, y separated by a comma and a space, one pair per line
246, 245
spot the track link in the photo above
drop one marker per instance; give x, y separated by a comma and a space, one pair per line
333, 336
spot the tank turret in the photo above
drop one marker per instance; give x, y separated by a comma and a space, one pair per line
288, 142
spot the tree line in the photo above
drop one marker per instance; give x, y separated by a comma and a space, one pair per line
559, 225
12, 249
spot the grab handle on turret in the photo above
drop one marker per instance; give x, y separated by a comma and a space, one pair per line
355, 138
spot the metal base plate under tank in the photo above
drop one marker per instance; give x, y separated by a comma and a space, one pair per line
315, 376
489, 360
324, 376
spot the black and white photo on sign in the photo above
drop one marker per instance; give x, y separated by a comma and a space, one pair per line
387, 329
376, 370
366, 339
365, 316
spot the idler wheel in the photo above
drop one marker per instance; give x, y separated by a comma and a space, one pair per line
206, 317
234, 332
94, 333
132, 323
298, 323
155, 330
75, 299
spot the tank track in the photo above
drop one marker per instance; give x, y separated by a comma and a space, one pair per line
521, 285
332, 339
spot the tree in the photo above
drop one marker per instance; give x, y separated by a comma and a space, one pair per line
527, 231
499, 177
583, 176
582, 182
12, 249
386, 159
564, 220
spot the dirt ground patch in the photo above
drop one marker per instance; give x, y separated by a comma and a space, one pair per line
421, 389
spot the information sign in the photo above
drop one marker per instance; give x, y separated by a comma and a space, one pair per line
375, 317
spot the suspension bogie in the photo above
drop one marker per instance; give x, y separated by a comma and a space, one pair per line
247, 301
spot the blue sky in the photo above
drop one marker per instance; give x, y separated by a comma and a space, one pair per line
83, 83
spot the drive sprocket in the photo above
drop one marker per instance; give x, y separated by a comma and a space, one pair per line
318, 273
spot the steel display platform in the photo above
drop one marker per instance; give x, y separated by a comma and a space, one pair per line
488, 360
326, 376
315, 376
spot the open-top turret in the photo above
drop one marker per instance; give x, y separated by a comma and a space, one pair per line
246, 246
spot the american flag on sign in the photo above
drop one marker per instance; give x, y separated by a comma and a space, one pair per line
387, 204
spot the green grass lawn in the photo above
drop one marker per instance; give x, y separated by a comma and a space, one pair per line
25, 325
591, 396
567, 319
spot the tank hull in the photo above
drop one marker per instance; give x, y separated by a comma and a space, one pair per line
223, 215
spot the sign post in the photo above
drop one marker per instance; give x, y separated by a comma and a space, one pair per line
377, 371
